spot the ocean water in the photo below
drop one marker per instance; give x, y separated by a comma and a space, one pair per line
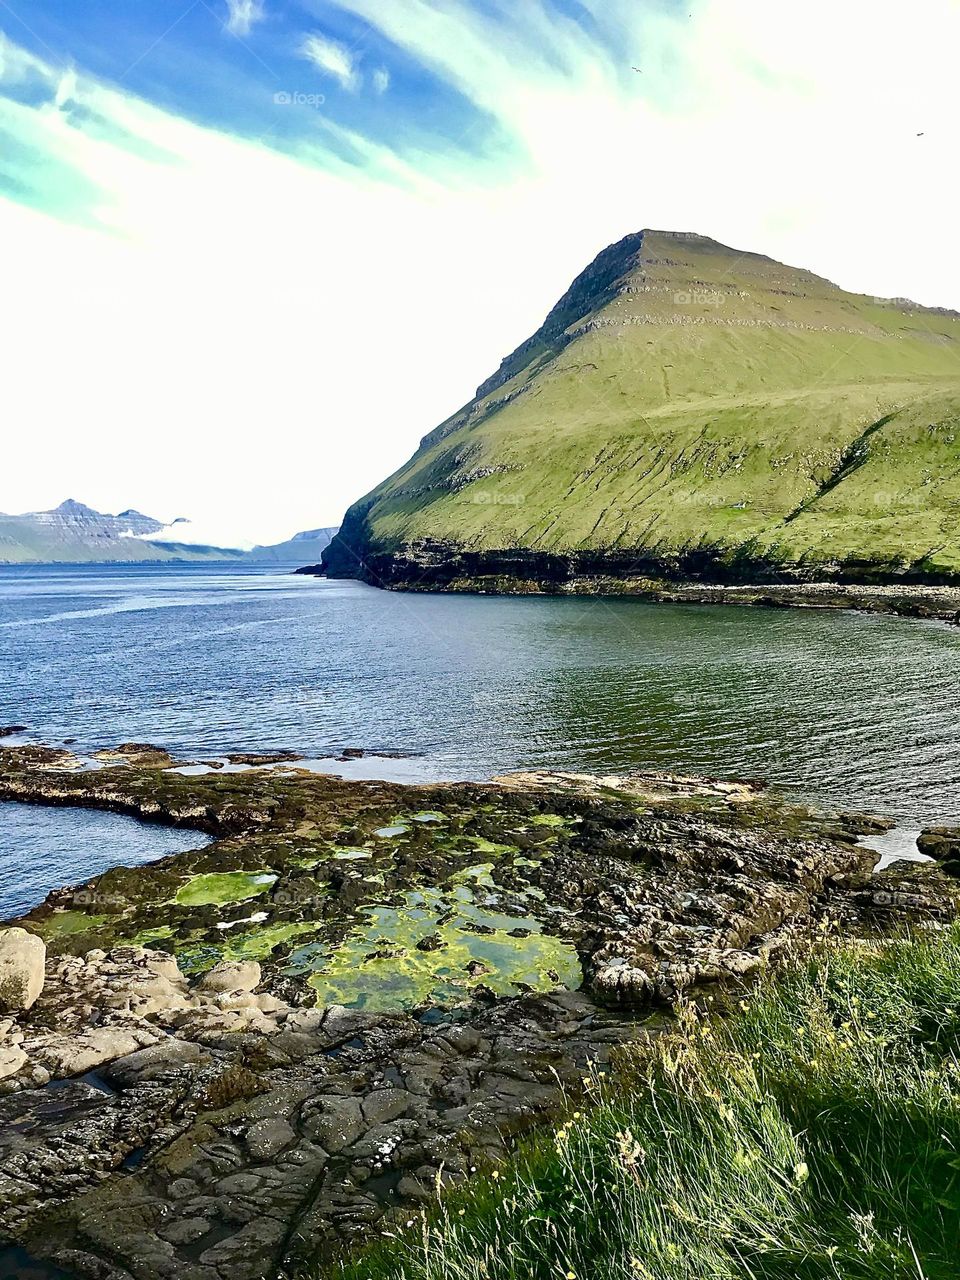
43, 849
848, 710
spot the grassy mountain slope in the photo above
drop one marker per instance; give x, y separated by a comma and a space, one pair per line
688, 405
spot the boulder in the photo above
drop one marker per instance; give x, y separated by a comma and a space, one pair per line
942, 844
268, 1137
22, 960
384, 1105
231, 975
336, 1123
12, 1058
156, 1060
75, 1055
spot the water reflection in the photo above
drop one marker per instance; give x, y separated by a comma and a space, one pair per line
845, 709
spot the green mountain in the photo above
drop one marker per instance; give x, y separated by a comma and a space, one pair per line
688, 409
76, 534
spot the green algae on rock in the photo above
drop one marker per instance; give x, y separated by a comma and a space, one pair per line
60, 924
256, 943
383, 964
642, 886
219, 888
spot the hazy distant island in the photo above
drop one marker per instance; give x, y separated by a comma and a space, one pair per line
77, 534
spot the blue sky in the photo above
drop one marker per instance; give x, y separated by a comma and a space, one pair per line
266, 245
224, 64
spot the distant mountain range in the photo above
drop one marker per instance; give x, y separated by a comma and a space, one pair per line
76, 534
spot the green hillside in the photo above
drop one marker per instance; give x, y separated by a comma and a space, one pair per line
689, 408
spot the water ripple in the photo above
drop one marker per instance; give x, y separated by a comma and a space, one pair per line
845, 709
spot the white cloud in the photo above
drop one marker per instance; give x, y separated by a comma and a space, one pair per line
194, 533
332, 58
66, 89
242, 16
255, 339
381, 80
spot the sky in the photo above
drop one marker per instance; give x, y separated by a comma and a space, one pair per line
251, 251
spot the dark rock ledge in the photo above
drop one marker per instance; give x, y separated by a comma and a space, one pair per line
185, 1098
694, 576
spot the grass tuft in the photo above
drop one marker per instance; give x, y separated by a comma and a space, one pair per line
813, 1132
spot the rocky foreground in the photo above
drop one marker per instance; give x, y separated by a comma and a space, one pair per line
244, 1056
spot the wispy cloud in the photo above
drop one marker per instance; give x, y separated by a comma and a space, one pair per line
243, 15
381, 80
333, 59
193, 533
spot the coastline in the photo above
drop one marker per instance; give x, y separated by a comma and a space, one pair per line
922, 600
696, 575
207, 1052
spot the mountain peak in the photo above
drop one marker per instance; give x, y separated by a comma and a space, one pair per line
592, 289
73, 508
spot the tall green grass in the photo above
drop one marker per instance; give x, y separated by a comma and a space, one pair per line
814, 1132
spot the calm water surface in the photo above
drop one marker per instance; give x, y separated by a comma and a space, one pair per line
845, 709
43, 849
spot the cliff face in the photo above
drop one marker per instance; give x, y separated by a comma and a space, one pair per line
688, 410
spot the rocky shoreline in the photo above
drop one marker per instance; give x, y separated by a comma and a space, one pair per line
239, 1059
899, 590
